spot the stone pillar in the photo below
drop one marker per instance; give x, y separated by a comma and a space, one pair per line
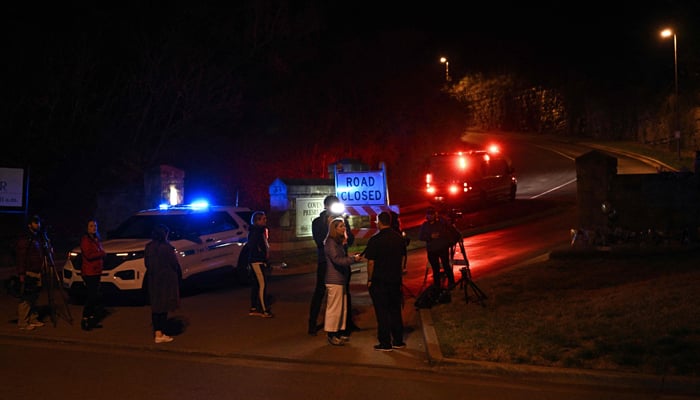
164, 184
594, 174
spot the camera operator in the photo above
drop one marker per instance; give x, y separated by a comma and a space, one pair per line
33, 247
439, 236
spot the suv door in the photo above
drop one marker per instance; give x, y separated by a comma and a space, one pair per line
217, 238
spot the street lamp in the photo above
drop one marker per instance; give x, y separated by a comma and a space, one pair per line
447, 68
668, 33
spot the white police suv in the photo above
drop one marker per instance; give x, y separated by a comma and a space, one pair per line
206, 238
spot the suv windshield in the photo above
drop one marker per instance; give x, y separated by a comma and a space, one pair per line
182, 226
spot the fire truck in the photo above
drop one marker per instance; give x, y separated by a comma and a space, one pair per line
470, 179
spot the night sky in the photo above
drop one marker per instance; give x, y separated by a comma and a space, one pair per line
94, 94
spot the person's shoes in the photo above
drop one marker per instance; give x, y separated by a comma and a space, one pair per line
36, 324
344, 338
164, 339
27, 327
85, 324
266, 314
382, 347
93, 323
335, 341
400, 345
254, 312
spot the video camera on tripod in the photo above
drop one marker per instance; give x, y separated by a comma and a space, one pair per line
51, 280
453, 215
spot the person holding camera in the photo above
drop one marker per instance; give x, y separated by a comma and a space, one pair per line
31, 250
439, 236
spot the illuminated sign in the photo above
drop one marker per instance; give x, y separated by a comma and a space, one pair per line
13, 186
361, 187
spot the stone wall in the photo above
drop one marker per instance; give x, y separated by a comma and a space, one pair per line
667, 201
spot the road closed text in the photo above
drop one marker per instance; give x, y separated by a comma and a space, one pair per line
361, 188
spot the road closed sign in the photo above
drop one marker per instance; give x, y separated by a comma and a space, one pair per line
361, 187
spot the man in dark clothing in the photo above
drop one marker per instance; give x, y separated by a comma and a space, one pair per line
384, 255
439, 236
33, 248
319, 230
258, 247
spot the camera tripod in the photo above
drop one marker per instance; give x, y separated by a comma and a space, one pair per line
465, 282
56, 294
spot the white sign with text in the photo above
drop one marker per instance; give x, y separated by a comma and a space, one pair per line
361, 187
11, 187
307, 209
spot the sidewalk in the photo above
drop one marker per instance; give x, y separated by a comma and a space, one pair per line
233, 333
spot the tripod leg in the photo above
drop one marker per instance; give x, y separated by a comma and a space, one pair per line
53, 285
480, 296
464, 252
425, 277
64, 296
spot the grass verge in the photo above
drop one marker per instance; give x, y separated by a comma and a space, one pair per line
633, 314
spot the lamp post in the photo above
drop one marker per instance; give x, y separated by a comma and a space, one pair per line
668, 33
447, 68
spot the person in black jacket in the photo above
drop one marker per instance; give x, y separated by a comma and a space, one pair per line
258, 247
163, 274
384, 255
32, 249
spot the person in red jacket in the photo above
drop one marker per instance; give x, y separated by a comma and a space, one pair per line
93, 261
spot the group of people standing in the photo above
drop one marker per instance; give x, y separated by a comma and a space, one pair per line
35, 262
34, 254
385, 255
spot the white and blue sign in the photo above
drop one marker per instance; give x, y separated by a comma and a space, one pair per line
361, 187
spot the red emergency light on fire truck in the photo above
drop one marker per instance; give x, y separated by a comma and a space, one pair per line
470, 179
